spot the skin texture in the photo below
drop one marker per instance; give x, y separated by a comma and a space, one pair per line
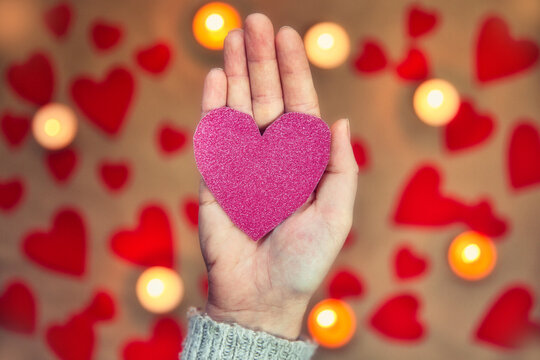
266, 285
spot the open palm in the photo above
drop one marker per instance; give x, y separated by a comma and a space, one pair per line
267, 284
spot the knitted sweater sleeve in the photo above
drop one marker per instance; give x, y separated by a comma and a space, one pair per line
211, 340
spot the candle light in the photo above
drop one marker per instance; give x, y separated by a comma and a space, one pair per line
159, 289
472, 256
54, 126
332, 323
436, 102
327, 45
212, 23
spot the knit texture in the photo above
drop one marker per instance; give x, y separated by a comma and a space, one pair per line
209, 340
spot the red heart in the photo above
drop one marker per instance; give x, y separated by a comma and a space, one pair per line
414, 67
203, 285
105, 103
114, 175
18, 308
371, 59
164, 344
507, 321
345, 283
498, 54
58, 19
75, 340
360, 153
524, 155
467, 128
11, 193
422, 203
397, 319
408, 264
171, 139
155, 58
63, 248
150, 244
105, 35
421, 21
61, 163
191, 211
15, 128
350, 239
33, 80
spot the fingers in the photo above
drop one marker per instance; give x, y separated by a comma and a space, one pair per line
238, 91
296, 81
214, 91
337, 189
266, 95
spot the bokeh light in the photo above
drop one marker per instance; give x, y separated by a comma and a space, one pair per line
54, 126
212, 23
159, 289
332, 323
436, 102
327, 45
472, 256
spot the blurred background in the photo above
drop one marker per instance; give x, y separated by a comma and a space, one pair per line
99, 254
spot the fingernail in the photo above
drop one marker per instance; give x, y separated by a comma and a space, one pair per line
349, 129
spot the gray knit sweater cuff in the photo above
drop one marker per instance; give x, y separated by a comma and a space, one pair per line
208, 339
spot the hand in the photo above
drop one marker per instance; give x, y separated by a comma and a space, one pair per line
266, 285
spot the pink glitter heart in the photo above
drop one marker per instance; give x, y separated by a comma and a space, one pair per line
260, 180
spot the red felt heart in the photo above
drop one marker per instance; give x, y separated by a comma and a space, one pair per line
33, 80
421, 21
58, 19
499, 55
524, 155
114, 175
171, 139
105, 35
345, 283
18, 308
191, 211
11, 193
164, 344
408, 264
360, 153
414, 67
371, 59
507, 321
63, 248
75, 340
105, 103
151, 243
14, 128
62, 163
422, 203
154, 58
397, 319
467, 128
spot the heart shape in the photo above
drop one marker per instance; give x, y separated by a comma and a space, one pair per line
467, 128
260, 180
164, 344
155, 58
397, 319
421, 21
114, 175
15, 128
151, 243
105, 35
63, 248
414, 67
18, 308
61, 163
58, 19
11, 193
345, 283
191, 211
33, 80
171, 139
499, 55
360, 153
371, 59
408, 264
524, 155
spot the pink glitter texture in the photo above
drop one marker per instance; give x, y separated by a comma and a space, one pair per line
260, 180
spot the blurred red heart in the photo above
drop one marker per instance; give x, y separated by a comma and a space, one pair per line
164, 344
371, 59
105, 35
33, 80
105, 103
18, 308
114, 175
58, 19
360, 153
499, 55
151, 243
414, 67
350, 239
191, 211
15, 128
155, 58
63, 248
345, 283
420, 21
171, 139
203, 285
408, 264
62, 163
467, 128
11, 193
397, 318
524, 155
